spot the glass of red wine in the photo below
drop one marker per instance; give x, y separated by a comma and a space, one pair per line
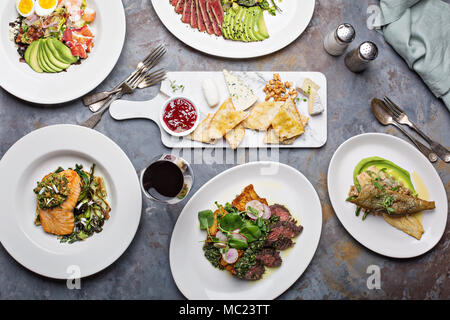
168, 179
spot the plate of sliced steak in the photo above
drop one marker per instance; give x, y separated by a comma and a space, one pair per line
270, 263
201, 24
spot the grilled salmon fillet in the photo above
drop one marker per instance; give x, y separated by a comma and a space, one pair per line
60, 220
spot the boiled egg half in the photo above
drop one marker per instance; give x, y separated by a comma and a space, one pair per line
45, 7
25, 7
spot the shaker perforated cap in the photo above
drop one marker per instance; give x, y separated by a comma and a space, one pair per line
368, 50
345, 33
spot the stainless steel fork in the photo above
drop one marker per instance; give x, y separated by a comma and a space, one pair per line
97, 100
97, 116
401, 117
152, 79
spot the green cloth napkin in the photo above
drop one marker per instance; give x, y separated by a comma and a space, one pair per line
419, 30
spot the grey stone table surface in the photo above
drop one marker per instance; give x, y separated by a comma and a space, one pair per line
338, 269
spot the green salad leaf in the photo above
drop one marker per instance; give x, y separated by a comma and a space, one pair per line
206, 218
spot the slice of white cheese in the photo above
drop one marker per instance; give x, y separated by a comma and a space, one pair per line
241, 95
310, 89
210, 92
316, 107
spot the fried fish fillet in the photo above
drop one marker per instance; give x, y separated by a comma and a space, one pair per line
60, 220
410, 224
373, 199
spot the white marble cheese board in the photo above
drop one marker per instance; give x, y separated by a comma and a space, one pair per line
189, 84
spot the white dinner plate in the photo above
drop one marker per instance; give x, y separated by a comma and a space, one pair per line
283, 28
51, 88
278, 183
374, 232
41, 152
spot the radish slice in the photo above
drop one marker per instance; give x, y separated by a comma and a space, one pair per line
238, 236
267, 213
221, 236
255, 204
231, 256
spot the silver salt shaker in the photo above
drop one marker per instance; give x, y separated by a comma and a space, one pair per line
337, 41
359, 58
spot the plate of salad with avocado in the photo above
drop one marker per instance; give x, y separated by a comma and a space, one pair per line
235, 28
387, 195
60, 41
249, 233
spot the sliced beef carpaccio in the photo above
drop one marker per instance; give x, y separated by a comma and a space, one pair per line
269, 257
255, 273
194, 18
200, 23
179, 7
217, 10
217, 26
204, 12
187, 12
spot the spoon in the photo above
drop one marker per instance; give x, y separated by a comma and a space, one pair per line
382, 114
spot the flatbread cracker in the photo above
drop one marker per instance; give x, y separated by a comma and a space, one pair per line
235, 136
225, 119
292, 107
271, 137
201, 133
286, 124
261, 115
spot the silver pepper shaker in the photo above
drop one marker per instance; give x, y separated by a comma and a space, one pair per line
337, 41
359, 58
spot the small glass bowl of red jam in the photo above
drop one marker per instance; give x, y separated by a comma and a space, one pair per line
179, 116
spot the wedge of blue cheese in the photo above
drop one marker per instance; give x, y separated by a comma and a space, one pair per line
241, 95
310, 89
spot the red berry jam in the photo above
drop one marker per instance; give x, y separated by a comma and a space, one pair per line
180, 115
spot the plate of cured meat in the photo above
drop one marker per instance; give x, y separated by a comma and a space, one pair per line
235, 28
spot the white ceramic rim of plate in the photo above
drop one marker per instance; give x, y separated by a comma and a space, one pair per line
79, 79
27, 249
354, 233
235, 52
313, 245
